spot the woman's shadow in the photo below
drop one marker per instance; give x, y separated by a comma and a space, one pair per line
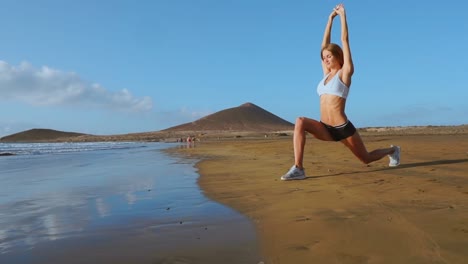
402, 166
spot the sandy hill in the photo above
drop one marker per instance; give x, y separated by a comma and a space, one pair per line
37, 134
247, 117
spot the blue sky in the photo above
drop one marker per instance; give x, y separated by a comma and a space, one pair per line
111, 67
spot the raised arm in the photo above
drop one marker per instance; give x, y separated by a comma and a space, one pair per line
328, 28
327, 37
348, 67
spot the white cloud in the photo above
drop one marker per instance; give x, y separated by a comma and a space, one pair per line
8, 128
46, 86
162, 119
181, 116
192, 115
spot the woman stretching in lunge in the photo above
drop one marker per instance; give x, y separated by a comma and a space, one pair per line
338, 69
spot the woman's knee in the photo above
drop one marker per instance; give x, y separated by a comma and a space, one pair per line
300, 119
299, 122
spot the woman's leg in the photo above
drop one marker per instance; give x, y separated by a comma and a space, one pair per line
314, 127
355, 144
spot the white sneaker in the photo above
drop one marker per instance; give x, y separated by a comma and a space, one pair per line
294, 174
395, 157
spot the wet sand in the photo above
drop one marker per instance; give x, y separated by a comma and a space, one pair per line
114, 203
346, 212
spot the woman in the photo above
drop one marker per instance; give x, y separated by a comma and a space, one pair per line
333, 90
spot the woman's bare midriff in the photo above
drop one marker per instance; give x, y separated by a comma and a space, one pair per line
332, 110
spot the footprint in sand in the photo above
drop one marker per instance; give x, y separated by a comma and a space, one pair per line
304, 247
302, 218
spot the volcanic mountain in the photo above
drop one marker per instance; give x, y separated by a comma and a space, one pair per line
247, 117
38, 134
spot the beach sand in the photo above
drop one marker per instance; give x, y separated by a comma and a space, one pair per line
346, 212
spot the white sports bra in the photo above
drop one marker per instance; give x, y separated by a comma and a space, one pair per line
334, 87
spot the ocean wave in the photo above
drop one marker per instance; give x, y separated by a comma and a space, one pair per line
61, 148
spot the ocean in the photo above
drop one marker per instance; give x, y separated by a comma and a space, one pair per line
119, 202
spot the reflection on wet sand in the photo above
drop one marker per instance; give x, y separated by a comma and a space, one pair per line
136, 205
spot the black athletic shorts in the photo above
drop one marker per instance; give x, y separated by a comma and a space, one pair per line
340, 132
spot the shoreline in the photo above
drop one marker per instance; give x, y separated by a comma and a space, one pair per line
346, 212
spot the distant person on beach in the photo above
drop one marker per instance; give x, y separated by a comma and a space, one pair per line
333, 90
